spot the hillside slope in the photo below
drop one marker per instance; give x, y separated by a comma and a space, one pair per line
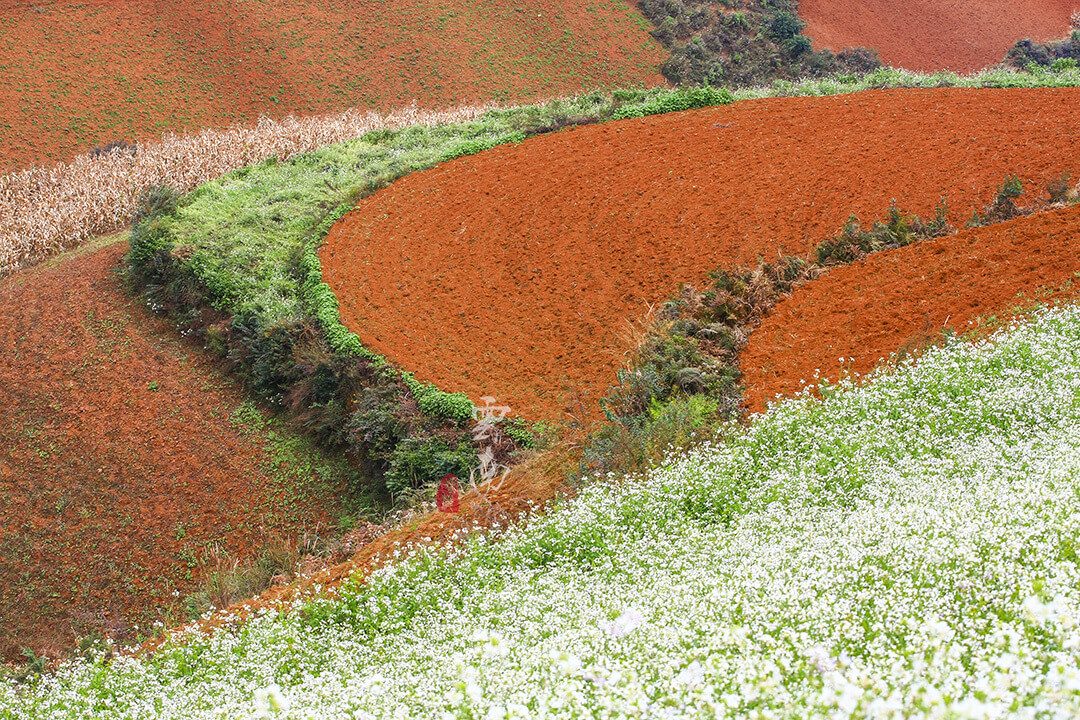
78, 75
521, 275
124, 457
848, 320
930, 35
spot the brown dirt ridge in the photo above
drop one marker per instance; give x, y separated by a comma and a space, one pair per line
847, 321
521, 275
932, 35
120, 461
77, 75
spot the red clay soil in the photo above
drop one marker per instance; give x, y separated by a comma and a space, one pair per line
931, 35
80, 74
903, 299
530, 488
516, 273
120, 460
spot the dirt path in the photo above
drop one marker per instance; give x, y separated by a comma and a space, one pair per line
931, 35
521, 271
123, 456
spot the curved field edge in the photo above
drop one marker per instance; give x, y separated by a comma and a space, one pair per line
236, 260
127, 459
856, 316
46, 210
246, 245
810, 565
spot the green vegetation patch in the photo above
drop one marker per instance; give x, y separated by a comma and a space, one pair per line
740, 43
236, 261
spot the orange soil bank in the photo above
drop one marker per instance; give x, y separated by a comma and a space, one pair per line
931, 35
118, 460
78, 75
865, 311
515, 273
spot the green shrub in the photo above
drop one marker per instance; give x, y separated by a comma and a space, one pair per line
685, 99
419, 461
785, 25
897, 230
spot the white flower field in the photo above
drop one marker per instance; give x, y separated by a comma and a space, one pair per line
904, 549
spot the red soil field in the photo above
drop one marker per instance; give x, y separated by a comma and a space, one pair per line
75, 75
121, 460
902, 299
931, 35
525, 266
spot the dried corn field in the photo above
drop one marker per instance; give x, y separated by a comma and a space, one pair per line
44, 211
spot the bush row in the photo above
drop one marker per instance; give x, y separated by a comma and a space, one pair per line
684, 379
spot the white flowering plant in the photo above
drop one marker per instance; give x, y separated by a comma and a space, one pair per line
903, 549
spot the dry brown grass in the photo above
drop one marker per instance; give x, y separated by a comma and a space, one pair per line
46, 210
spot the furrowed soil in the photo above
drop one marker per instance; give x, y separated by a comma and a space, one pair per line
124, 456
528, 267
78, 75
931, 35
847, 321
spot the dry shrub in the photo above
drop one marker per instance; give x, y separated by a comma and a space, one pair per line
45, 210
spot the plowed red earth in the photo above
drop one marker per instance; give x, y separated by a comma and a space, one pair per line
120, 460
931, 35
76, 75
903, 299
515, 273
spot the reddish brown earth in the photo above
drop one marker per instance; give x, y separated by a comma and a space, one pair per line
530, 488
904, 298
931, 35
522, 271
121, 460
75, 75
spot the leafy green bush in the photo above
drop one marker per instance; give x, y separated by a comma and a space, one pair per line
685, 99
419, 461
898, 230
1003, 206
1058, 55
785, 25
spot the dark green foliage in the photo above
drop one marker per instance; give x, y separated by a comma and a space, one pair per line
1004, 205
1058, 55
684, 378
419, 461
737, 43
785, 25
157, 200
898, 230
150, 236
